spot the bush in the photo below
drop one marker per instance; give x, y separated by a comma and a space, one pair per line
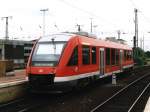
139, 61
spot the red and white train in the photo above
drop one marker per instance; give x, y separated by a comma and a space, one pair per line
62, 60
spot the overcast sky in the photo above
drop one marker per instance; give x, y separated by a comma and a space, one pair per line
107, 15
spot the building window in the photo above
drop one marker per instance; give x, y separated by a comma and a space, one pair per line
93, 55
113, 56
74, 57
86, 55
107, 56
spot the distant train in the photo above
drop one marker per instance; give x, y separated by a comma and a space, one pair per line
65, 60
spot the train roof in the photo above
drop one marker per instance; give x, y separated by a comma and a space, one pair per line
56, 37
84, 40
103, 43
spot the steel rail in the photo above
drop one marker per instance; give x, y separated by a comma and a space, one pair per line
110, 98
11, 102
148, 85
29, 108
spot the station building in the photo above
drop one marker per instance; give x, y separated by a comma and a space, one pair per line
16, 50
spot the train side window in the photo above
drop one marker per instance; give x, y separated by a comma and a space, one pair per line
117, 57
107, 56
93, 55
74, 57
130, 55
125, 55
85, 55
113, 56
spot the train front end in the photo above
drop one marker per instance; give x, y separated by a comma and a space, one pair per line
43, 62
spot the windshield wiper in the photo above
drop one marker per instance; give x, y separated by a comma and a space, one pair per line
53, 42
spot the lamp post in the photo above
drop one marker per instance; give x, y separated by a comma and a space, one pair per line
44, 11
6, 36
91, 25
6, 29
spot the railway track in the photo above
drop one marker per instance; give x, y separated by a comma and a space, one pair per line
26, 109
21, 105
11, 103
15, 105
125, 100
34, 104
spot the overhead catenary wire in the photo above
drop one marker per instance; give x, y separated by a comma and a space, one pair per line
94, 16
140, 11
133, 4
146, 18
89, 13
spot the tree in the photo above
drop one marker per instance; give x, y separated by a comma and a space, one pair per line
139, 56
147, 54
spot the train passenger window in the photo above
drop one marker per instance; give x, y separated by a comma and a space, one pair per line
107, 56
130, 55
86, 55
74, 57
125, 55
93, 55
117, 57
113, 56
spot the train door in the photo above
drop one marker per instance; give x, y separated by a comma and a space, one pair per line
102, 61
121, 59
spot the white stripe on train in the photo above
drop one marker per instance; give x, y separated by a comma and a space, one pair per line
75, 77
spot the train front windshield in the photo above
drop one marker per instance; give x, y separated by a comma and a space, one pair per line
47, 53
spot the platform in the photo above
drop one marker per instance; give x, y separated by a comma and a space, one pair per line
147, 107
19, 75
13, 86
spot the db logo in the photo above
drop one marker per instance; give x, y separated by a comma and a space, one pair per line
41, 70
76, 69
